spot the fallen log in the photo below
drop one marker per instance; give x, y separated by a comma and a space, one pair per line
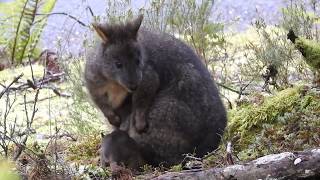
287, 165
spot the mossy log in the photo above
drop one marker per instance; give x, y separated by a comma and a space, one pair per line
287, 165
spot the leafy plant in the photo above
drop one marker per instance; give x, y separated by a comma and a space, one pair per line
298, 17
189, 21
270, 48
117, 11
84, 116
23, 28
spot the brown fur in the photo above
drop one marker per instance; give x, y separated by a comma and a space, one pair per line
115, 93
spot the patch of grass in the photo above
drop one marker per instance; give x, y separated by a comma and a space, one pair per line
6, 171
85, 118
8, 75
216, 159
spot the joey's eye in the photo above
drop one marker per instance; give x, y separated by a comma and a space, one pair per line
118, 65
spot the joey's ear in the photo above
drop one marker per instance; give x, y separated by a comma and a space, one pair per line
100, 32
135, 24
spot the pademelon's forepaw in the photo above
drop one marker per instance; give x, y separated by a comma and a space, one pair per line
114, 119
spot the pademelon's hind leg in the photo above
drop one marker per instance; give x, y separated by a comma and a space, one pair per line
169, 134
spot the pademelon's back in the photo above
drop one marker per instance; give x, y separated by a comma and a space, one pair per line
187, 114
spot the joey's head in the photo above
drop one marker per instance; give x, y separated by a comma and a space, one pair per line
121, 56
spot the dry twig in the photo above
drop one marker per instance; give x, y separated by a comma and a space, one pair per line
8, 87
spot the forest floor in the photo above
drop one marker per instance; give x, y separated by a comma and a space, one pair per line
66, 128
287, 120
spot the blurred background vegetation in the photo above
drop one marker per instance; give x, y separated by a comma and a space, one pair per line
47, 119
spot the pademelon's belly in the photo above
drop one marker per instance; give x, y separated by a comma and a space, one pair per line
115, 93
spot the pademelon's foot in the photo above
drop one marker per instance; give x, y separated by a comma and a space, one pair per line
120, 172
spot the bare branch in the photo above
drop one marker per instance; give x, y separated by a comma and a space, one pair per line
61, 13
232, 90
8, 87
90, 10
4, 143
37, 83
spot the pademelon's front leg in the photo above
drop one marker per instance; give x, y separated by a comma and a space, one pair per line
143, 97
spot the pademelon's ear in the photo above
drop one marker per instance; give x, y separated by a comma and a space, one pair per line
100, 32
136, 23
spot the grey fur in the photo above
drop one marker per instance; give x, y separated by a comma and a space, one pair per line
120, 148
176, 108
114, 68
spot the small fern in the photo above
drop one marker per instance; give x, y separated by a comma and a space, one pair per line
24, 26
23, 30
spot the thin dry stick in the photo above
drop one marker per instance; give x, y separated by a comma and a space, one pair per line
22, 144
8, 87
61, 13
229, 158
39, 84
230, 89
90, 10
4, 142
29, 119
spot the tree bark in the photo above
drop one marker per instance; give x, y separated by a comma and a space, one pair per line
287, 165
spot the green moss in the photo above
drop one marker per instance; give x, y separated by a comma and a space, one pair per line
176, 168
85, 150
311, 50
287, 121
252, 117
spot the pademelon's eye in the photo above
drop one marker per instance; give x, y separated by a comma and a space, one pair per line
118, 65
137, 61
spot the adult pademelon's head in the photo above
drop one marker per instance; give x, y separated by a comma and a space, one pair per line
121, 58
